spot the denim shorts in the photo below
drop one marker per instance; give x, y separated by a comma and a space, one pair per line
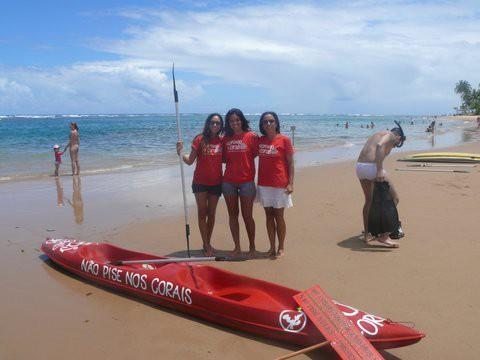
245, 189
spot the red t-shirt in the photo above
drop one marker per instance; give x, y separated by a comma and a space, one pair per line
240, 151
272, 161
208, 170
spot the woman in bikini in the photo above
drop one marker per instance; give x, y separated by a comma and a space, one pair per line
74, 145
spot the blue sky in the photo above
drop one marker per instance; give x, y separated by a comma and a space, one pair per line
377, 57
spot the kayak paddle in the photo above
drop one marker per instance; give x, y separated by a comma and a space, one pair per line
179, 131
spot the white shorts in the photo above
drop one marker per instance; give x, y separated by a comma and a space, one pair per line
367, 171
273, 197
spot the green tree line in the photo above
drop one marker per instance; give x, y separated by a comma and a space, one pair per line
470, 98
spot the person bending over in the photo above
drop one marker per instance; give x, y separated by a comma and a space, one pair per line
369, 168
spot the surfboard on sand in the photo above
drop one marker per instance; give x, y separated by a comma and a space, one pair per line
444, 157
447, 155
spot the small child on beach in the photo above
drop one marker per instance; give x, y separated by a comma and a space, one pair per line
58, 157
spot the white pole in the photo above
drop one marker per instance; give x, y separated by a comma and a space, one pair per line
179, 132
293, 134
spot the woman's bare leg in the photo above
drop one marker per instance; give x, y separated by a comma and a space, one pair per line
270, 222
211, 210
72, 160
233, 211
202, 211
281, 230
246, 203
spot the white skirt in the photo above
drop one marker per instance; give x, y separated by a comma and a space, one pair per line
273, 197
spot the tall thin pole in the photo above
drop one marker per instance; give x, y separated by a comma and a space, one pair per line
179, 132
293, 127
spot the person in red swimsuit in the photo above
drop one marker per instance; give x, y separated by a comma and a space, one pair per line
240, 150
275, 178
58, 157
207, 178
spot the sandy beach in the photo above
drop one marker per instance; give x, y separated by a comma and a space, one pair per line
429, 281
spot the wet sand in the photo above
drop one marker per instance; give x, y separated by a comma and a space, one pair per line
430, 280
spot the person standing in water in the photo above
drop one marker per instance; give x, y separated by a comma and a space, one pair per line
240, 150
74, 145
207, 178
58, 157
275, 179
369, 168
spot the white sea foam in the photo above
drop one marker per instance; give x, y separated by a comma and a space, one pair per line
104, 170
34, 116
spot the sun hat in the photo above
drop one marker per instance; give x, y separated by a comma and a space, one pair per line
56, 146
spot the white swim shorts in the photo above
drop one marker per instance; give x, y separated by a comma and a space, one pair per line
367, 171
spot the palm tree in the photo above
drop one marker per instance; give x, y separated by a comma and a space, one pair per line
470, 97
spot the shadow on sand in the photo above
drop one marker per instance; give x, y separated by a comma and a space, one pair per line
355, 243
221, 253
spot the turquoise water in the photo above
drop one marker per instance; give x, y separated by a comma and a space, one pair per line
111, 143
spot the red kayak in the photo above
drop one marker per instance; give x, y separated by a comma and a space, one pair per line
240, 302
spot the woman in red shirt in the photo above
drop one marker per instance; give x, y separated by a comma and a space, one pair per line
275, 178
207, 178
240, 149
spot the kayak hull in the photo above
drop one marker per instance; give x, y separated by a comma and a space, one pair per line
235, 301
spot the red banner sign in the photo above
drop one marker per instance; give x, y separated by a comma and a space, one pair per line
344, 337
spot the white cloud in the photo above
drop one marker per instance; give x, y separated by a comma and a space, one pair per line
363, 56
123, 86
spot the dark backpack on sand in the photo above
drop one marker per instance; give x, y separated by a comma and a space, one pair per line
383, 215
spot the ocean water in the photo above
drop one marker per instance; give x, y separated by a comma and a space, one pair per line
116, 143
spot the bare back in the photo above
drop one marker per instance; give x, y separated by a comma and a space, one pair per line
368, 153
74, 139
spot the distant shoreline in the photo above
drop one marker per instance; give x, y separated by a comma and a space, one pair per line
458, 117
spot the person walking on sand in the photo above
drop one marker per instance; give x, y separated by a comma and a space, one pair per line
275, 179
207, 178
240, 150
74, 145
369, 168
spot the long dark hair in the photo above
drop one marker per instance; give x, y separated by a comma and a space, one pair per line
239, 113
75, 126
207, 133
275, 116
